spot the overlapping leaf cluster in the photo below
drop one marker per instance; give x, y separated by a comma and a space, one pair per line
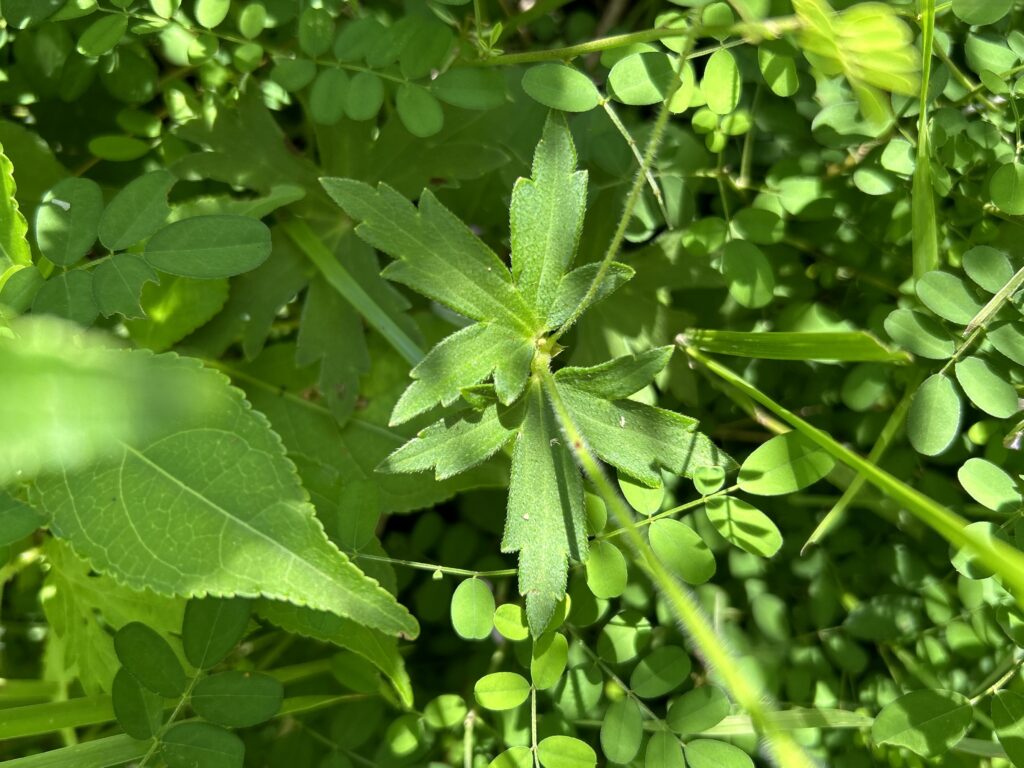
487, 375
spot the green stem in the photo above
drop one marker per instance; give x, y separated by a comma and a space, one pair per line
998, 556
435, 568
889, 431
653, 144
682, 602
342, 281
669, 512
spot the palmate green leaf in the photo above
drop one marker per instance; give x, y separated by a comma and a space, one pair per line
436, 253
640, 439
463, 359
545, 523
14, 248
222, 478
546, 216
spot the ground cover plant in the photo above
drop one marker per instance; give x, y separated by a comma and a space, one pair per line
487, 384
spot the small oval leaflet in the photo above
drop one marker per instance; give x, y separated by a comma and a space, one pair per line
785, 464
709, 753
445, 711
510, 621
642, 78
965, 559
69, 295
419, 111
365, 96
138, 710
989, 268
933, 421
210, 13
1007, 189
565, 752
988, 389
472, 610
209, 246
237, 699
327, 96
516, 757
697, 710
682, 551
102, 35
622, 731
989, 485
926, 722
948, 297
201, 745
750, 276
561, 87
664, 751
212, 628
742, 524
501, 690
919, 333
721, 82
137, 211
1008, 718
148, 657
660, 672
548, 660
66, 220
470, 88
606, 570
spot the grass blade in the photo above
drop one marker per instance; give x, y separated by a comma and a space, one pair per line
1001, 558
844, 346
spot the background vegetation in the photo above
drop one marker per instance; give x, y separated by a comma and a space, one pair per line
465, 383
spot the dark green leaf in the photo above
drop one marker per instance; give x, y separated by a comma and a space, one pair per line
66, 220
139, 711
925, 722
201, 745
213, 626
237, 699
209, 246
561, 87
150, 660
117, 285
137, 211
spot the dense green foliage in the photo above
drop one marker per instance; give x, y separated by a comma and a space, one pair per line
465, 383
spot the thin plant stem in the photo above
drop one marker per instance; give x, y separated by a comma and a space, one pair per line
681, 601
633, 197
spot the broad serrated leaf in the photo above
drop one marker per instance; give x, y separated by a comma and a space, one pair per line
223, 478
436, 253
546, 216
14, 248
546, 523
379, 649
463, 359
452, 447
640, 439
619, 378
